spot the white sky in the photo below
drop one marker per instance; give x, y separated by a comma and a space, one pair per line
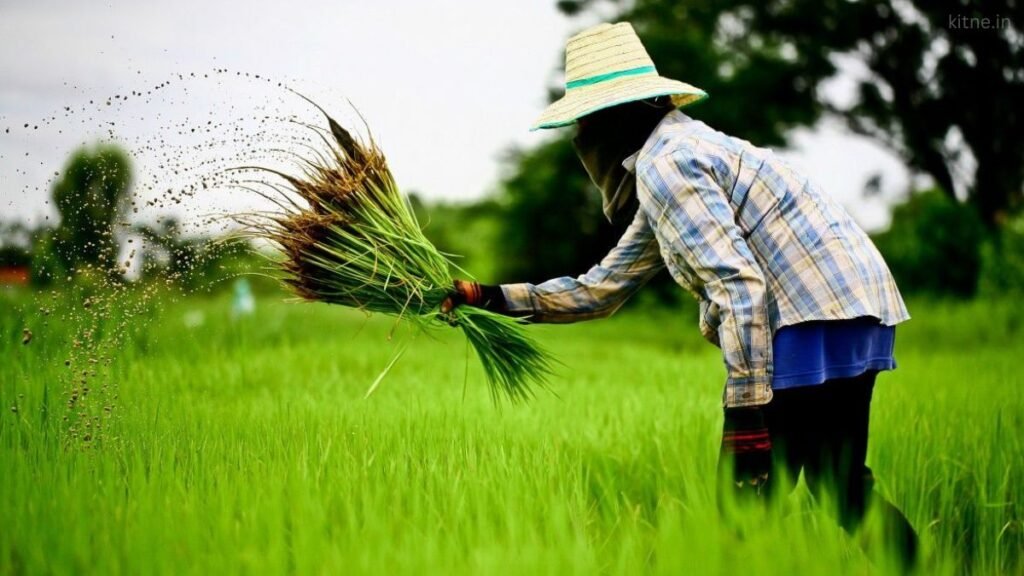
447, 87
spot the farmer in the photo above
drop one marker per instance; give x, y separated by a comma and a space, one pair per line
794, 293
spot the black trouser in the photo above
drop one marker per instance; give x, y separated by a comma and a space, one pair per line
822, 430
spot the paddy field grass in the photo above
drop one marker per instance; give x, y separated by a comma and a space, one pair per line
245, 446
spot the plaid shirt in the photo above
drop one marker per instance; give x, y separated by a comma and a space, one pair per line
759, 245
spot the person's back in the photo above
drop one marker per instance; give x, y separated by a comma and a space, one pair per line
817, 263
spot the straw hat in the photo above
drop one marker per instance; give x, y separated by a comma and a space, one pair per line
607, 65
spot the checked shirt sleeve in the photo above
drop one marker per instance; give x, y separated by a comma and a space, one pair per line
599, 292
691, 213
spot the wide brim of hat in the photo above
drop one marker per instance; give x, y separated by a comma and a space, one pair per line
588, 99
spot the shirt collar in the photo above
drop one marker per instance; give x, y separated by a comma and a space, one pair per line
674, 116
630, 162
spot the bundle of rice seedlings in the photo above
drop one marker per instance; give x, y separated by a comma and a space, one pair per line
353, 239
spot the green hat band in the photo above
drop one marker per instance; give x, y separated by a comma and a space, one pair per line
609, 76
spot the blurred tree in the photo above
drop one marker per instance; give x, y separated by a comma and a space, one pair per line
15, 234
1003, 262
467, 231
760, 89
91, 191
15, 242
552, 224
934, 245
193, 262
47, 266
943, 81
14, 256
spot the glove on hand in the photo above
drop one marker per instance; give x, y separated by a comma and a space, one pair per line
474, 294
747, 442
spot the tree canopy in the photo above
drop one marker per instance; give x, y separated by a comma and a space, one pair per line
941, 85
92, 188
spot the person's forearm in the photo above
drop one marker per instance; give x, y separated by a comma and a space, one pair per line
565, 300
745, 338
600, 291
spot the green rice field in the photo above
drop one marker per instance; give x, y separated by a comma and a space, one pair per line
213, 445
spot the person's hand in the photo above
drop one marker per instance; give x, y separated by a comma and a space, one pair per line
746, 441
464, 292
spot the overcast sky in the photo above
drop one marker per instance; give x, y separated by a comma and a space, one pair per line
446, 86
